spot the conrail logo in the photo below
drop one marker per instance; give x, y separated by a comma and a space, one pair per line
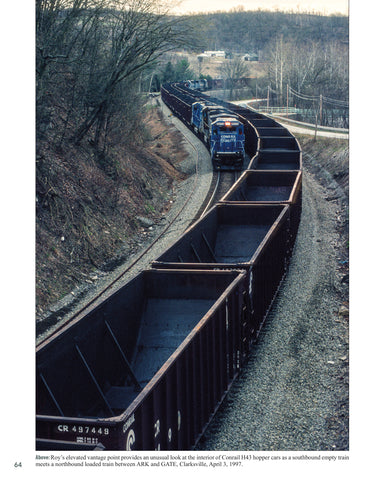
128, 423
130, 440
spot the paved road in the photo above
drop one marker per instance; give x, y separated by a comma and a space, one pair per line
309, 131
300, 127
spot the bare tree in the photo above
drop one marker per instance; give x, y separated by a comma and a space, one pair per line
63, 34
136, 33
232, 70
277, 55
88, 53
310, 68
316, 75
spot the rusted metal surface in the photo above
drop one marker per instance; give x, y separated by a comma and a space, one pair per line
265, 187
256, 238
270, 187
276, 160
179, 330
276, 148
147, 368
228, 235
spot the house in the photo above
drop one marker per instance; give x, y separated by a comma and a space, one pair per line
214, 53
251, 57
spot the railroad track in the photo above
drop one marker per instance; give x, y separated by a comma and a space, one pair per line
148, 364
53, 328
221, 183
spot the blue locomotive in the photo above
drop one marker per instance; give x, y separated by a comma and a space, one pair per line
222, 132
201, 84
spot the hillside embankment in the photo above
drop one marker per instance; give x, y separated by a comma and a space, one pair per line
328, 160
89, 219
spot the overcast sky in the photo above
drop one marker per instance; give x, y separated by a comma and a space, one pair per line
324, 6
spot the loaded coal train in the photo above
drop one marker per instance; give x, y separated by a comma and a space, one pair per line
217, 126
253, 136
147, 368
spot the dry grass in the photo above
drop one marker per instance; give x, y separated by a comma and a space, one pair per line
86, 215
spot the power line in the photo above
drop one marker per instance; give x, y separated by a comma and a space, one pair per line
319, 98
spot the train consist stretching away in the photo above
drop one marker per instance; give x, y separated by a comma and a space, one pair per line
147, 368
202, 84
218, 127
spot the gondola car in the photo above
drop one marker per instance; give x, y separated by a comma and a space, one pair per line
147, 367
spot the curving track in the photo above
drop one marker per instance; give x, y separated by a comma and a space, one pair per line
220, 185
215, 286
292, 394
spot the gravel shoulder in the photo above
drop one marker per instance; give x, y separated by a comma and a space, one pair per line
293, 392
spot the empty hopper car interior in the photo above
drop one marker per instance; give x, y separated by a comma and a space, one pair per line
148, 367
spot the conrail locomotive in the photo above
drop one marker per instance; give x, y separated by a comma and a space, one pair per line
217, 126
222, 132
147, 367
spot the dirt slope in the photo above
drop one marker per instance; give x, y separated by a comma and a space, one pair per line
90, 217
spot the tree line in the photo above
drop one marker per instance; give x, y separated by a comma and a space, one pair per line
252, 31
309, 68
90, 55
94, 57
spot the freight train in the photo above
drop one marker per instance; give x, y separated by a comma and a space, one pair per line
148, 366
203, 84
218, 127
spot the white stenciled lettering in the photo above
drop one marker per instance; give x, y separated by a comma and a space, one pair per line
128, 423
62, 428
84, 429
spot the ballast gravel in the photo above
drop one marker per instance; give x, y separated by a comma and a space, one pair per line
293, 392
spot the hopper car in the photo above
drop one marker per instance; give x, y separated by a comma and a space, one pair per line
147, 367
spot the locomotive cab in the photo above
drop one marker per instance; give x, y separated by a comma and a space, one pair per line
196, 119
227, 143
222, 132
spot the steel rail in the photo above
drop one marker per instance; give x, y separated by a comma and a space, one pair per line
213, 195
210, 202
